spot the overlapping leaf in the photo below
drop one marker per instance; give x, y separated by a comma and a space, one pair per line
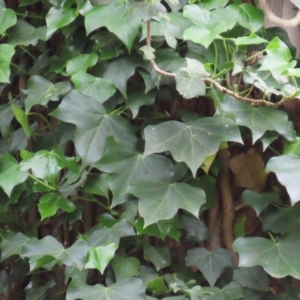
191, 142
6, 53
7, 17
93, 125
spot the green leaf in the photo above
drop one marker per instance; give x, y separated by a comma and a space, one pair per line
231, 291
46, 165
51, 202
25, 34
27, 2
12, 244
286, 168
96, 87
80, 63
253, 278
128, 289
11, 174
210, 264
292, 148
252, 39
115, 17
7, 18
22, 119
6, 116
125, 267
94, 125
98, 185
169, 197
58, 17
201, 138
196, 229
159, 256
278, 258
41, 91
251, 17
99, 257
128, 165
148, 52
189, 81
259, 201
6, 53
258, 119
157, 287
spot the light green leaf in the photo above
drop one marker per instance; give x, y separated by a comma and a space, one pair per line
251, 17
125, 267
6, 53
159, 256
128, 165
189, 81
51, 202
253, 278
46, 165
169, 197
22, 119
128, 289
93, 125
210, 264
7, 18
99, 257
251, 39
258, 119
212, 4
25, 34
201, 138
286, 168
41, 91
259, 201
115, 17
12, 244
148, 52
59, 17
99, 88
81, 62
279, 259
292, 148
11, 174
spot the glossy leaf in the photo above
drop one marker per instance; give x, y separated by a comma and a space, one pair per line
96, 87
201, 139
211, 264
117, 291
80, 63
93, 125
278, 258
41, 91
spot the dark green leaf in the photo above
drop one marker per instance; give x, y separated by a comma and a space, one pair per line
125, 267
159, 256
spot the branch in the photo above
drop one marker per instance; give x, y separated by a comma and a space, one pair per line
272, 17
222, 89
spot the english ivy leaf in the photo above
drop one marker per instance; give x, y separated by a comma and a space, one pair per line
251, 17
125, 68
169, 197
189, 81
128, 289
201, 138
231, 291
292, 148
278, 258
27, 2
12, 244
11, 174
99, 88
93, 125
286, 168
253, 278
258, 119
211, 4
148, 52
6, 116
22, 119
59, 17
25, 34
159, 256
51, 202
129, 165
210, 264
196, 229
99, 257
259, 201
7, 18
115, 17
39, 292
81, 63
125, 267
46, 165
6, 53
41, 91
98, 185
252, 39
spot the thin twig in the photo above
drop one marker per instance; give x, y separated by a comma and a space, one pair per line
254, 102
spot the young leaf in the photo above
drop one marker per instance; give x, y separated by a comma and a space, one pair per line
80, 63
8, 18
22, 119
201, 139
125, 267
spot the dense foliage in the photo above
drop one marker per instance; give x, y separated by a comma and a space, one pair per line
147, 151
